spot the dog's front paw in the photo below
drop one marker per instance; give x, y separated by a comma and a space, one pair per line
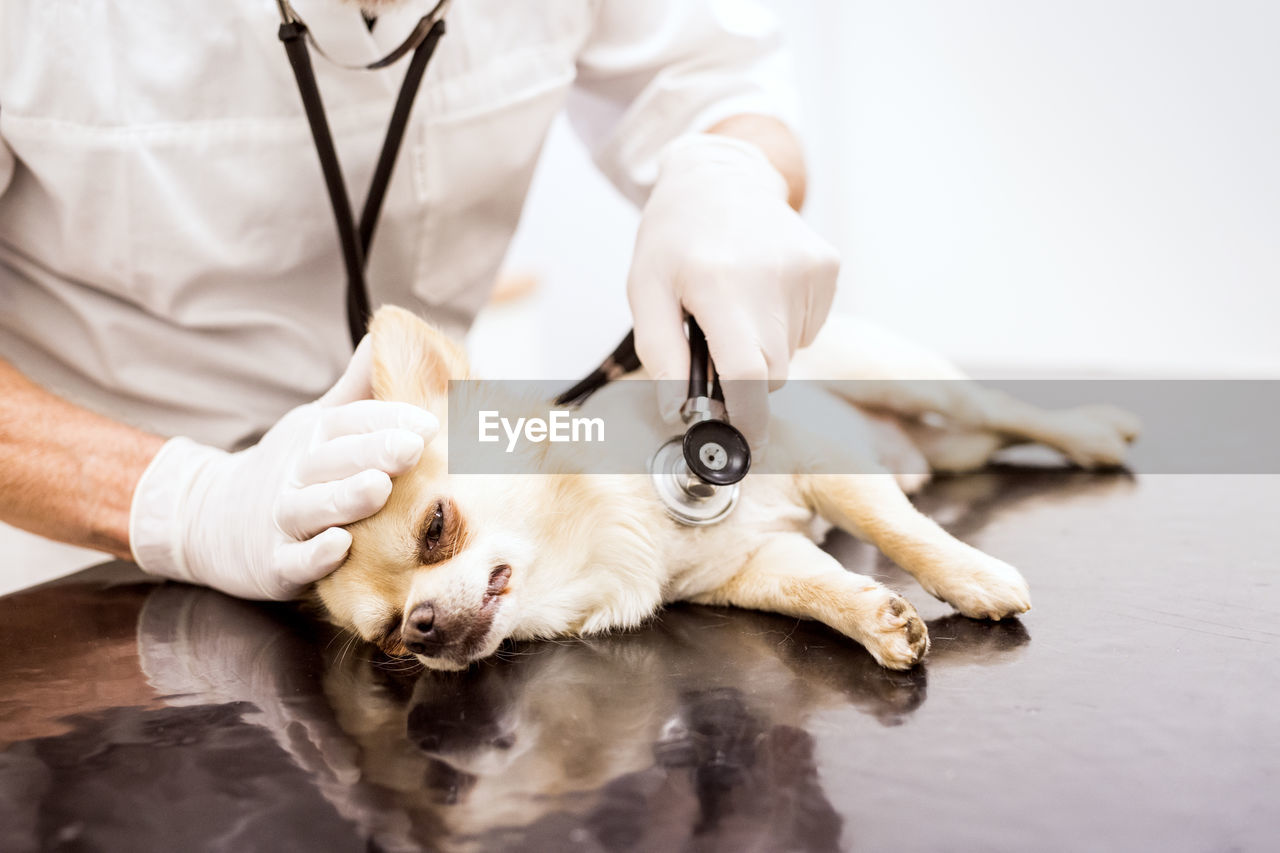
893, 632
1096, 436
986, 589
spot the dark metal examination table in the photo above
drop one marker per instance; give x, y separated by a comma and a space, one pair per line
1134, 708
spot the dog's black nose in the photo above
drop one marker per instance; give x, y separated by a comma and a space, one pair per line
419, 632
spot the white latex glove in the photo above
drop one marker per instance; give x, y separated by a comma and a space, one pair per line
718, 240
265, 522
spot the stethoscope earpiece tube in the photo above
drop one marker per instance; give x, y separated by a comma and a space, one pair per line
356, 244
395, 134
293, 35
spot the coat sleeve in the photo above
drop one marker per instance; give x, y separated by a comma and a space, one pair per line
653, 71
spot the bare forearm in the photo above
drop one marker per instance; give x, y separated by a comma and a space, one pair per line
67, 473
777, 142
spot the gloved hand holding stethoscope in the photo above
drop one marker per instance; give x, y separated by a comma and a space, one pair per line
719, 242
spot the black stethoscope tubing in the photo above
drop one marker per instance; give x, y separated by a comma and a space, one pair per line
357, 240
624, 360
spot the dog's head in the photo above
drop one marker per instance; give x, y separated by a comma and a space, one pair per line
455, 564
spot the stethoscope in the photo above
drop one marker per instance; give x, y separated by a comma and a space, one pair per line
356, 241
696, 475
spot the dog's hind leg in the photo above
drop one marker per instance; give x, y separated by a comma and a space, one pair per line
788, 574
874, 369
873, 507
951, 450
1091, 436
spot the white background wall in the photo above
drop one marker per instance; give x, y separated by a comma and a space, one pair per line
1025, 185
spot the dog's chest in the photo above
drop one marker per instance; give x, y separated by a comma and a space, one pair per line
701, 559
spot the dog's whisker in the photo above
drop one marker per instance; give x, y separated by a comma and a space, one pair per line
347, 648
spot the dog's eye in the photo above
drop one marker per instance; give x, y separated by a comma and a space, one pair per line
441, 533
435, 528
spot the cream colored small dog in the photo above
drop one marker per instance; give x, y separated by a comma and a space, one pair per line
454, 565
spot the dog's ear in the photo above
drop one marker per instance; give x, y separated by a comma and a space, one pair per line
412, 360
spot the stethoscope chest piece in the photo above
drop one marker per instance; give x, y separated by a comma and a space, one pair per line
686, 496
716, 452
697, 475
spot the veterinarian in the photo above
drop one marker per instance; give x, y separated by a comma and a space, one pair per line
172, 288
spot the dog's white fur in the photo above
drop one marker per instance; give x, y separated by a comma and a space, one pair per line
589, 554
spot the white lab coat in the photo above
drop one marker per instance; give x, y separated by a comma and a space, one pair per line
167, 251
